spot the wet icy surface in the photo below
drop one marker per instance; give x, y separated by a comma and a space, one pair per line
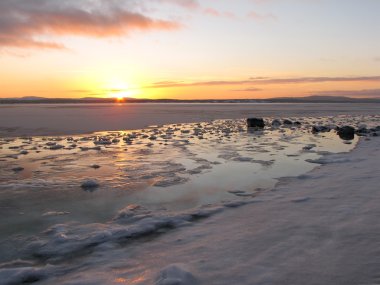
63, 196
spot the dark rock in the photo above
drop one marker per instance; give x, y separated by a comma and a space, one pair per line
18, 169
362, 132
276, 123
287, 122
89, 185
309, 147
14, 147
374, 131
56, 147
320, 129
296, 123
102, 142
346, 133
255, 123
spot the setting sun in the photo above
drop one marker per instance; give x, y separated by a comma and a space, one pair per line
119, 89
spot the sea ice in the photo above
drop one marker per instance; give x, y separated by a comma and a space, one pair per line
175, 274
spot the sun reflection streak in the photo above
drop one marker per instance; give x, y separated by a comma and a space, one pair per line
135, 280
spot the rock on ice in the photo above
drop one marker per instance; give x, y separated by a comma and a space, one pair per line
89, 184
255, 123
175, 275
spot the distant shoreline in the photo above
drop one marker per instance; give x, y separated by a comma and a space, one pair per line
310, 99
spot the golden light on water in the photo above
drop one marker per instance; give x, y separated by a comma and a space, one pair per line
135, 280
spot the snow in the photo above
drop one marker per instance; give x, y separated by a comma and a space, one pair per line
329, 238
25, 275
321, 228
175, 274
131, 223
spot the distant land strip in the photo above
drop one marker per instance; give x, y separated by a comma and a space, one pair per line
308, 99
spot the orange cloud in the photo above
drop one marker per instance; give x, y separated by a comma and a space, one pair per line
264, 81
253, 89
215, 13
212, 12
366, 93
23, 23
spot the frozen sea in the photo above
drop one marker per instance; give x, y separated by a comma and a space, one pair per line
68, 199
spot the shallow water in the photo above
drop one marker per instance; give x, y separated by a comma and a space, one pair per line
167, 170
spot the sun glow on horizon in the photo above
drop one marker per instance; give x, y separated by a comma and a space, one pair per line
120, 89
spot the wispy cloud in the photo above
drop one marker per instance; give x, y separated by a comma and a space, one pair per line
190, 4
216, 13
261, 17
212, 12
248, 90
30, 24
366, 93
264, 81
170, 84
261, 1
99, 91
295, 80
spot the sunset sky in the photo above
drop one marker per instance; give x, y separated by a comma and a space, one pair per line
189, 49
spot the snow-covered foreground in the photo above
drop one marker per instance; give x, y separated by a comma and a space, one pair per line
318, 228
